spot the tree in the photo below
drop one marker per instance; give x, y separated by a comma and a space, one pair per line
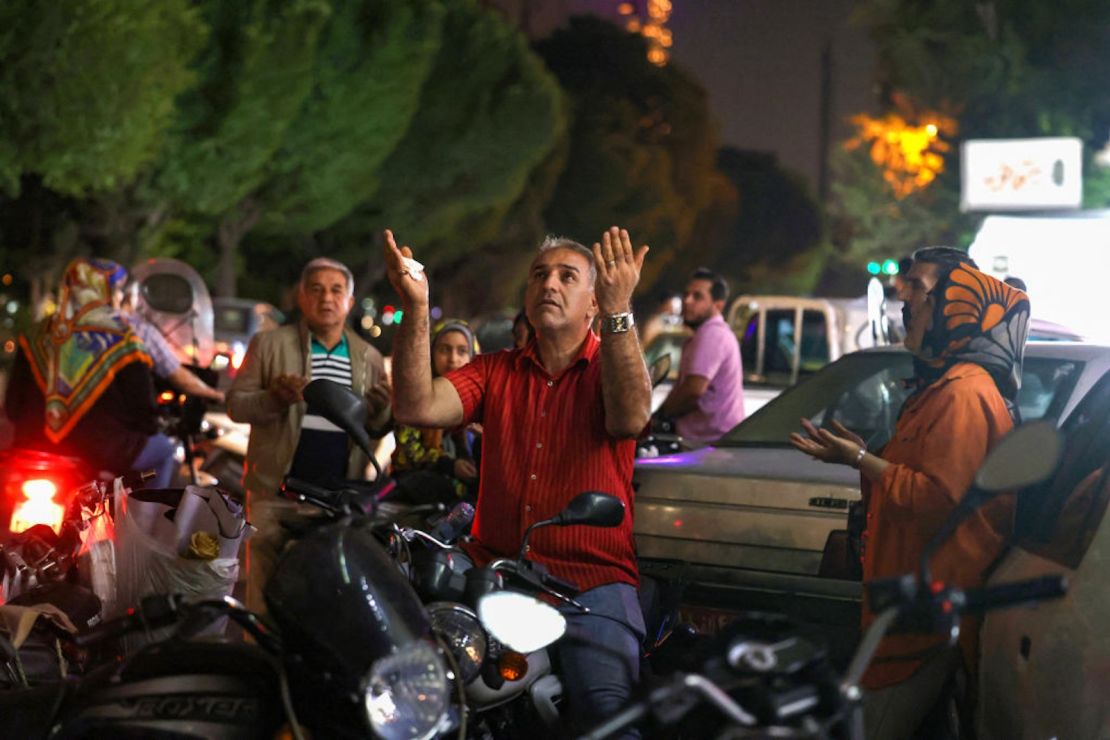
642, 143
490, 113
1018, 68
776, 238
87, 89
373, 60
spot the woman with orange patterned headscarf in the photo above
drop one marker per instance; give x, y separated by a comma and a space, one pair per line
967, 333
81, 385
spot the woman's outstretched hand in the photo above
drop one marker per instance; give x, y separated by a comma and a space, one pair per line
842, 446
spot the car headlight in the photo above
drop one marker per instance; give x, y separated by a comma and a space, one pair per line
463, 634
406, 694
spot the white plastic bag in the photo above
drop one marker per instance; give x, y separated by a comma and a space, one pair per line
147, 559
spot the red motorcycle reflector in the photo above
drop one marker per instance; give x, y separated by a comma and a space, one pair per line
38, 506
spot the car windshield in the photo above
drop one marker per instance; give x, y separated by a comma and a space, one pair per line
864, 392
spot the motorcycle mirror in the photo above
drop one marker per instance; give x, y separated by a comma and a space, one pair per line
1025, 457
659, 369
594, 508
523, 623
341, 407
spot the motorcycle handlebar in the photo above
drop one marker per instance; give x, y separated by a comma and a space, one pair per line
154, 611
310, 491
672, 701
1010, 594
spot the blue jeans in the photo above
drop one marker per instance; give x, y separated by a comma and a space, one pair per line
599, 656
157, 454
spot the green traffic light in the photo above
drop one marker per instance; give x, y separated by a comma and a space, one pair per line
890, 267
873, 268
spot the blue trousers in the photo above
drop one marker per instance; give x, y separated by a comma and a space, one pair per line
599, 656
157, 454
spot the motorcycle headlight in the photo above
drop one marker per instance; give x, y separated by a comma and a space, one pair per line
406, 694
463, 634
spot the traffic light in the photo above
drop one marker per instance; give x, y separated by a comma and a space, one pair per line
886, 267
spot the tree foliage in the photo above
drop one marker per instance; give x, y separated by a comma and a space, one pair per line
1002, 69
87, 89
254, 75
489, 114
372, 62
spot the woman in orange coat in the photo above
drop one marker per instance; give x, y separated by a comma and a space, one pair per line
967, 332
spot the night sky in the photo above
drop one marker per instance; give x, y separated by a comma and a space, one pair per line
760, 61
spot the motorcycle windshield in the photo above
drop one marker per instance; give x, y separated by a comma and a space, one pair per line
174, 298
339, 590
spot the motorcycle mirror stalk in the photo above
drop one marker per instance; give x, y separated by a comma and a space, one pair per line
592, 508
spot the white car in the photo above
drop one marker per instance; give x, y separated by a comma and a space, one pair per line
749, 522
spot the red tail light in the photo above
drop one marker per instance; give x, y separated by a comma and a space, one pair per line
38, 506
35, 488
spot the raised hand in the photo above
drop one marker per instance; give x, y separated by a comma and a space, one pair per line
618, 270
411, 284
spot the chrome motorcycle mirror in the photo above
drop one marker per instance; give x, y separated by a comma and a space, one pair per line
521, 622
1023, 458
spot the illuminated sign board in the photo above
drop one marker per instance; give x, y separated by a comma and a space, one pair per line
1021, 174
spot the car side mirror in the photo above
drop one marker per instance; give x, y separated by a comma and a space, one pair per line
659, 369
593, 508
341, 407
1025, 457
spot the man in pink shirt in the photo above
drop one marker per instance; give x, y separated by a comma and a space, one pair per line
708, 399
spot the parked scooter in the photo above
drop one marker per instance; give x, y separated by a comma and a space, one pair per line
764, 678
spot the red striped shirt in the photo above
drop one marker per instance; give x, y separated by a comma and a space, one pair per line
543, 443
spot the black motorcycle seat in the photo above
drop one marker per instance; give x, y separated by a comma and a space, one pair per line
30, 713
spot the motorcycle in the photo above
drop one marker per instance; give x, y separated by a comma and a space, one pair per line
489, 618
63, 566
171, 296
347, 651
494, 628
764, 677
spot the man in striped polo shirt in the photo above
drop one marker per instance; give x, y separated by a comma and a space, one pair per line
288, 437
559, 416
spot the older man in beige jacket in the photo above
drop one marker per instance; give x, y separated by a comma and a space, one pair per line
286, 436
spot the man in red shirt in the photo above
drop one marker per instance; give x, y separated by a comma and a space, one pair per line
559, 417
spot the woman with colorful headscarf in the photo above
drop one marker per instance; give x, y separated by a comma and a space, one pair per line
434, 465
81, 385
967, 333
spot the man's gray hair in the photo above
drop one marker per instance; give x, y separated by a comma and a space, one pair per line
326, 263
561, 242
